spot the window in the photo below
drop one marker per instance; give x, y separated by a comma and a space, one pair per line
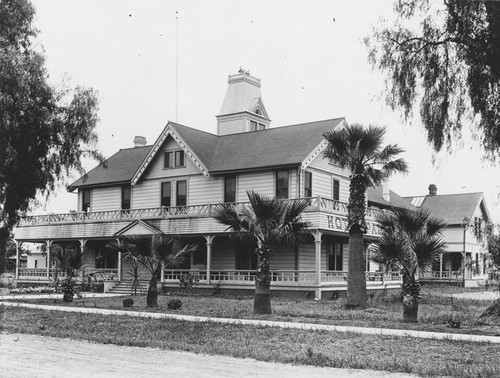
335, 257
86, 200
230, 189
125, 197
253, 126
336, 190
181, 193
173, 159
308, 184
166, 194
261, 126
282, 184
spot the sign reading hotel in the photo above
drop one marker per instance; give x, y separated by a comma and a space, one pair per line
340, 223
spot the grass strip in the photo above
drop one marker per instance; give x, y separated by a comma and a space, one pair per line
319, 348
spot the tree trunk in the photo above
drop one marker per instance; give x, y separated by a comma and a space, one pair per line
411, 296
152, 298
262, 297
356, 279
410, 309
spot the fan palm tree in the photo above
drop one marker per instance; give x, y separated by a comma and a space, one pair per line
154, 253
267, 221
70, 259
360, 151
411, 240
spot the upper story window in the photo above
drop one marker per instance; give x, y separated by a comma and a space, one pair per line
126, 197
253, 126
86, 200
181, 193
307, 184
336, 190
261, 126
282, 179
173, 159
166, 194
230, 189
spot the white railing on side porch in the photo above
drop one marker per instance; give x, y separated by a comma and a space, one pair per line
285, 277
204, 210
446, 275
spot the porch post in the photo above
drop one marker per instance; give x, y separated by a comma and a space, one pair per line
162, 273
82, 246
440, 265
49, 243
119, 266
18, 246
317, 242
209, 239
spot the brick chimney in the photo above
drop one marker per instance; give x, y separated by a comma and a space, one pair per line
139, 141
433, 190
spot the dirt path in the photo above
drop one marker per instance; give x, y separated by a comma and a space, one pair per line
37, 356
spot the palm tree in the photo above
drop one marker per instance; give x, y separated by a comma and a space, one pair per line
266, 221
70, 259
154, 253
360, 151
411, 240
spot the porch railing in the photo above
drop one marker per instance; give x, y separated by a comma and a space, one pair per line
446, 275
203, 210
286, 277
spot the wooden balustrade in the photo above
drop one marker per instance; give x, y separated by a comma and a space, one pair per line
316, 204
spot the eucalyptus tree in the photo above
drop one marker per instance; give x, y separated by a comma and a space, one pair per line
359, 150
411, 241
45, 130
154, 253
266, 221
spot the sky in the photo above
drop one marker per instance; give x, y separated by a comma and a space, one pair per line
309, 55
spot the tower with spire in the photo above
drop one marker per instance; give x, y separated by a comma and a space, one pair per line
243, 109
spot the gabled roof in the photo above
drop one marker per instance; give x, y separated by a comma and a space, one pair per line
375, 196
119, 168
452, 207
264, 149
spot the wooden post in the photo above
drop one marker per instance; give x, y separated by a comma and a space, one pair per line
209, 239
119, 266
49, 243
317, 242
18, 245
440, 266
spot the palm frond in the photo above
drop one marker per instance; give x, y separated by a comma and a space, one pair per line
228, 215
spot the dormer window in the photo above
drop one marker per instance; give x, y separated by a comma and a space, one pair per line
174, 159
253, 126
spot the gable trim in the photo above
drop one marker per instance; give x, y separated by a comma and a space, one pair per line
319, 148
147, 226
169, 130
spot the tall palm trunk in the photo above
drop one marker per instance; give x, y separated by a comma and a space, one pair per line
262, 298
411, 296
152, 298
356, 280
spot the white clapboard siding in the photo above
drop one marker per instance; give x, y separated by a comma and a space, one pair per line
223, 256
321, 184
283, 257
156, 170
203, 189
231, 126
107, 198
322, 165
146, 194
261, 182
294, 182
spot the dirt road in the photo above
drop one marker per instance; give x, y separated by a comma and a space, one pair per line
37, 356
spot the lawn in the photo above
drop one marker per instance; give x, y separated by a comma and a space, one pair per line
396, 354
435, 311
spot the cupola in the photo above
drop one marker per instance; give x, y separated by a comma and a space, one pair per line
243, 109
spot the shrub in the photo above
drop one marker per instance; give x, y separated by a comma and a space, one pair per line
187, 281
174, 304
33, 290
128, 302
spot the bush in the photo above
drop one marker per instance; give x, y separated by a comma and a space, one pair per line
174, 304
128, 302
34, 290
187, 281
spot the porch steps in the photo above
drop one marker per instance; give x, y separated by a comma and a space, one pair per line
125, 287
